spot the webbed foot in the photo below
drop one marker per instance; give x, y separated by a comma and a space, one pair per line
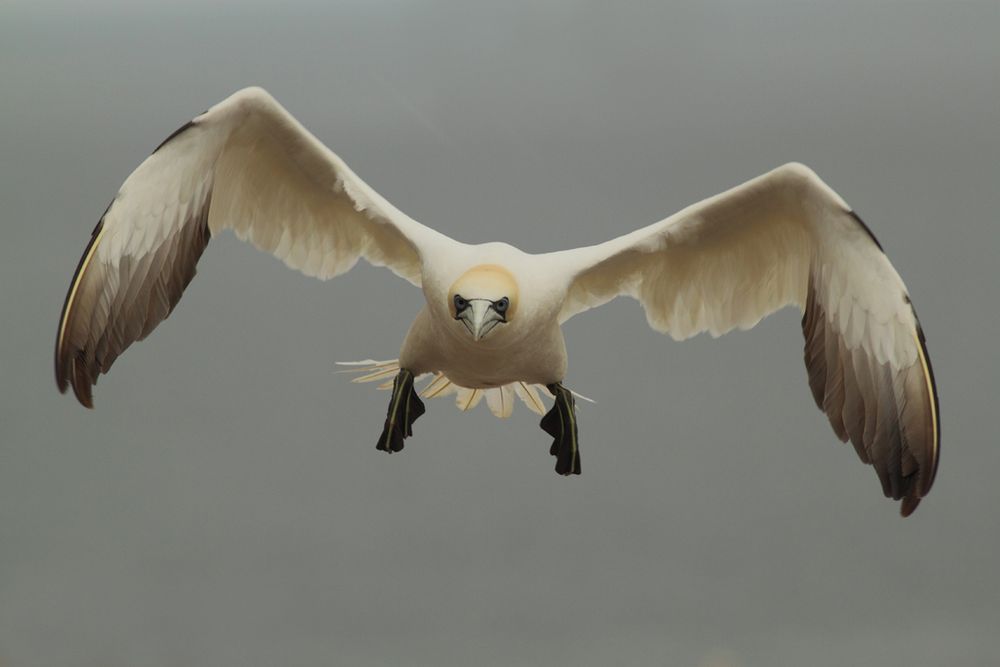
404, 409
560, 423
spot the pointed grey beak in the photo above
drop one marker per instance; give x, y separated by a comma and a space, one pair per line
480, 317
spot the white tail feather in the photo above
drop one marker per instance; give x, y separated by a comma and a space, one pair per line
365, 365
468, 398
500, 400
439, 386
379, 374
529, 395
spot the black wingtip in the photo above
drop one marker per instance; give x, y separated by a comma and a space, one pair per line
64, 364
180, 130
936, 407
82, 385
908, 505
867, 229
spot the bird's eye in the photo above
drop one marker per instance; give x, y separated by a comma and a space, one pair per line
460, 303
501, 305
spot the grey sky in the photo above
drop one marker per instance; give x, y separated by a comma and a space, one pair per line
225, 505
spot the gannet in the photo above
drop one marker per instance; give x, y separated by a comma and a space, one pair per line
491, 322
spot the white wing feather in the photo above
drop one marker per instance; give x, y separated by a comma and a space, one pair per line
247, 165
786, 238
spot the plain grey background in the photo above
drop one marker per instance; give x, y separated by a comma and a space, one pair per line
225, 505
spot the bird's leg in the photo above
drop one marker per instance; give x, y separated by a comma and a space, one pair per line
560, 423
404, 408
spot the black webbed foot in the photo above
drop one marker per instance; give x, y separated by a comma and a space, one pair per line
560, 423
404, 409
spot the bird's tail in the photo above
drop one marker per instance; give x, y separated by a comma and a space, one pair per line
500, 400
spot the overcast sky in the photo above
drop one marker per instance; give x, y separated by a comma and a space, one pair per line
225, 505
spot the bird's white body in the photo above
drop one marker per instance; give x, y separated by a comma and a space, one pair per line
433, 346
491, 323
530, 348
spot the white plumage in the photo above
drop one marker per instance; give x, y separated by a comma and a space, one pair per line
490, 329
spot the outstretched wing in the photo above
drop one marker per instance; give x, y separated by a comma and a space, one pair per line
247, 165
786, 238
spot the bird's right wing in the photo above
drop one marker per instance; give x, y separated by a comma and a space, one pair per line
245, 164
786, 238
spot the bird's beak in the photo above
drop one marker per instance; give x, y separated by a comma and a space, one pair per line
480, 318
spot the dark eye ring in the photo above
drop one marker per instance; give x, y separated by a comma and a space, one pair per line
502, 305
460, 303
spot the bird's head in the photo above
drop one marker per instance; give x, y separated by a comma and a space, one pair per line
483, 298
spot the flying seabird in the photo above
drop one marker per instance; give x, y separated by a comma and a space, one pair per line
491, 324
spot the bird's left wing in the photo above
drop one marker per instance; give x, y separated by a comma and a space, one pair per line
786, 238
245, 164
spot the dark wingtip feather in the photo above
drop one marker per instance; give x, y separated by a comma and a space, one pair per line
61, 383
180, 130
64, 364
867, 229
936, 406
61, 362
82, 354
869, 417
908, 505
82, 384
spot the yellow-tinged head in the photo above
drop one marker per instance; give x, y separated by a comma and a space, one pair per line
483, 298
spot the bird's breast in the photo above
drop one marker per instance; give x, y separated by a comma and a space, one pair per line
536, 355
